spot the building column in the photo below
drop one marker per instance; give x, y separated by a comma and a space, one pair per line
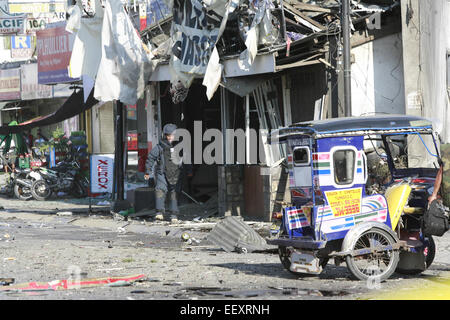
411, 56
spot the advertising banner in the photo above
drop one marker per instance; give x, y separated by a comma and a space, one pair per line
10, 84
34, 24
143, 15
54, 48
344, 202
12, 24
39, 21
193, 38
102, 173
32, 6
22, 46
31, 89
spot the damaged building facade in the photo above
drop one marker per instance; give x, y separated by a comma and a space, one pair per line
259, 65
248, 67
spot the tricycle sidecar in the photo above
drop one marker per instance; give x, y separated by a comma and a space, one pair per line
335, 210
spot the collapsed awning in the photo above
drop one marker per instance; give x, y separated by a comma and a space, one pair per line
73, 106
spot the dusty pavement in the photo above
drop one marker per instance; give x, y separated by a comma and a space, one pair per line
39, 243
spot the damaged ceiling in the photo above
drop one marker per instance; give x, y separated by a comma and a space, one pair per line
195, 37
296, 30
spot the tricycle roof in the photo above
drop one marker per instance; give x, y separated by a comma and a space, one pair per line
380, 124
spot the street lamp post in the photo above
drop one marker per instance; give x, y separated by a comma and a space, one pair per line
345, 30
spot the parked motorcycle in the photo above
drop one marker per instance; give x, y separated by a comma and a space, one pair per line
23, 180
65, 177
19, 182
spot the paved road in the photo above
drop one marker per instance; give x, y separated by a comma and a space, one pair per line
37, 245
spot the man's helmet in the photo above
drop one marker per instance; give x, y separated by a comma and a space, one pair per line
169, 128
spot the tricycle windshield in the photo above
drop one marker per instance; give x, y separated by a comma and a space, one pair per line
412, 154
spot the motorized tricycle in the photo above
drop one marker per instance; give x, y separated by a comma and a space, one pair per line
337, 212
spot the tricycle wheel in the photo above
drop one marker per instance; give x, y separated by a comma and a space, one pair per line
375, 265
430, 251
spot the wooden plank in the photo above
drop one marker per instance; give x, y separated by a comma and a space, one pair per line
310, 7
304, 17
297, 64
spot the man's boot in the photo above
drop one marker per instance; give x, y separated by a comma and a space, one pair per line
160, 199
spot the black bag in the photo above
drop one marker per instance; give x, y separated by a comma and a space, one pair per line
435, 222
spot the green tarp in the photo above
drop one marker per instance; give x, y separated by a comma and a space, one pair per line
19, 141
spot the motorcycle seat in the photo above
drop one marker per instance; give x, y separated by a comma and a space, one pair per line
60, 168
26, 170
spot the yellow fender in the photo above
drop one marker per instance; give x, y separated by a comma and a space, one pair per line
397, 197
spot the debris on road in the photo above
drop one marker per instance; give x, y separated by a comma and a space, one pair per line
109, 269
64, 213
185, 236
121, 230
120, 283
70, 284
233, 234
6, 281
9, 259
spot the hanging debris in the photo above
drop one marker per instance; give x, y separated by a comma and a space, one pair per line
178, 92
203, 34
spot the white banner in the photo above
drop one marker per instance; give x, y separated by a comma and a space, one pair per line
193, 38
30, 88
102, 173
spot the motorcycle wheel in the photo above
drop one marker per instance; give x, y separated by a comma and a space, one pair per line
22, 193
41, 190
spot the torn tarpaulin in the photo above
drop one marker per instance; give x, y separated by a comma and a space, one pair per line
124, 68
193, 37
260, 31
252, 35
214, 70
109, 50
86, 52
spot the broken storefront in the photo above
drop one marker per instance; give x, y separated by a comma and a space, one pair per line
250, 82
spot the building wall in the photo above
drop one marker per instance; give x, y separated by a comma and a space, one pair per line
103, 140
231, 199
377, 77
307, 85
434, 43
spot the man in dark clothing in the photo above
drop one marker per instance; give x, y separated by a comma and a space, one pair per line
163, 165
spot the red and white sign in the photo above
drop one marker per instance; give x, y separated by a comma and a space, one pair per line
143, 15
10, 84
54, 49
102, 173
